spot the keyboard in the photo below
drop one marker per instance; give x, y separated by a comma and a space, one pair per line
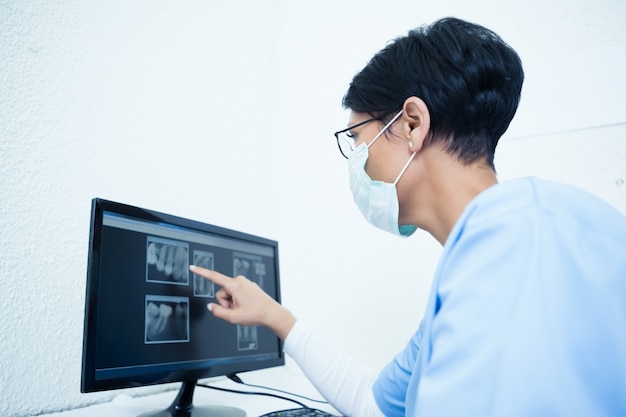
298, 412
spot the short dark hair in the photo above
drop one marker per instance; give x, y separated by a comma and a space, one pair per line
469, 78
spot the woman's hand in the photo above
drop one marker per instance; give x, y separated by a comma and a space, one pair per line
242, 301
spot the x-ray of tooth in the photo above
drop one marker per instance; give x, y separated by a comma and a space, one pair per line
250, 266
253, 268
259, 270
166, 319
247, 338
202, 287
167, 261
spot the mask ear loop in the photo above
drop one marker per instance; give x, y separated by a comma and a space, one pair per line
384, 128
380, 134
405, 167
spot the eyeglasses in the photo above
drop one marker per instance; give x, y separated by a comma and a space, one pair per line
346, 141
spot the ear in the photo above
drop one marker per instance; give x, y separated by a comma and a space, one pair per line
417, 120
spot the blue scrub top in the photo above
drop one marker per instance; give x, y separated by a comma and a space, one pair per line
527, 312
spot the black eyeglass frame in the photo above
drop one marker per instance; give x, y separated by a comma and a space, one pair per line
339, 132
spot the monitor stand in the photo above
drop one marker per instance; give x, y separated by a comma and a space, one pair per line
183, 406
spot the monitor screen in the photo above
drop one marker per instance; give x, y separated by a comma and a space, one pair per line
146, 316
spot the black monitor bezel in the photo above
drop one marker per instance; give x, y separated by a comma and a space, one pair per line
89, 383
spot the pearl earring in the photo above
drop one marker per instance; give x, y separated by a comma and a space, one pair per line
410, 144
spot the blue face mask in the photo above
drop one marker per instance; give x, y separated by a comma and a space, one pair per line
377, 200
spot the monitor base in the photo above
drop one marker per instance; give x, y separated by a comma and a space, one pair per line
202, 411
182, 406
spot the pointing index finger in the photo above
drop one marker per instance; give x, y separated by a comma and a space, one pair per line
213, 276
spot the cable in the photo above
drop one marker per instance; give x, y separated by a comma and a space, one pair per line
253, 393
235, 378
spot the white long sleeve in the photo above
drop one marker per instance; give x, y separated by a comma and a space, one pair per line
346, 384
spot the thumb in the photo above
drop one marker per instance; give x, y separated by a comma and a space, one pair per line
220, 312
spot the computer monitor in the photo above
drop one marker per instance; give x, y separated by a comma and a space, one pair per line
146, 316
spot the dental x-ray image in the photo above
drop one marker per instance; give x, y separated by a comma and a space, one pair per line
253, 268
202, 287
250, 266
167, 319
167, 261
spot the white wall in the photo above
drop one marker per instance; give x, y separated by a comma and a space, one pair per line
224, 113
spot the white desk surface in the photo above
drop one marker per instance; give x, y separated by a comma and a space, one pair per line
285, 378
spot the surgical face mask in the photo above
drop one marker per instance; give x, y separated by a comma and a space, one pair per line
377, 200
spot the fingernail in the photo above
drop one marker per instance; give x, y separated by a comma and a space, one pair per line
210, 307
192, 267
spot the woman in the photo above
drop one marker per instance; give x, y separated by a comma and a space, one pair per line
527, 312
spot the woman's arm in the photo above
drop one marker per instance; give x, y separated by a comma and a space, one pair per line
346, 384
